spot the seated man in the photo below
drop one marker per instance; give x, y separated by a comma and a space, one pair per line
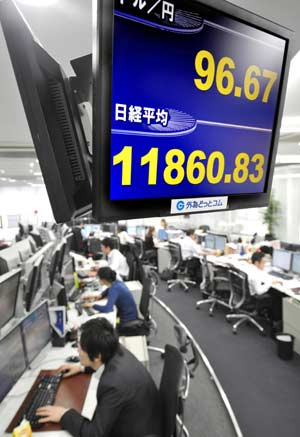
191, 251
115, 259
261, 283
127, 399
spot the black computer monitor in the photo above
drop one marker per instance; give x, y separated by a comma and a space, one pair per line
220, 242
33, 283
53, 117
37, 238
12, 362
282, 259
296, 263
54, 264
36, 331
9, 259
9, 286
209, 242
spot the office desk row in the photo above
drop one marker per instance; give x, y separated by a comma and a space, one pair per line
51, 358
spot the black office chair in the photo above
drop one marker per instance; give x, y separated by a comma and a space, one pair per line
146, 325
173, 391
187, 347
94, 248
116, 241
179, 267
215, 286
245, 307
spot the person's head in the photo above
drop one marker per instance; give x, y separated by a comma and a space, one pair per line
98, 343
190, 233
239, 240
150, 231
21, 229
258, 260
163, 223
122, 228
106, 275
107, 245
91, 234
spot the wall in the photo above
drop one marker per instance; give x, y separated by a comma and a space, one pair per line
23, 202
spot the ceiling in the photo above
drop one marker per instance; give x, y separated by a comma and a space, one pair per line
65, 31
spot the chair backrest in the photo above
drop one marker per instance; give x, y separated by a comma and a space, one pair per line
94, 245
239, 288
186, 346
145, 299
139, 243
176, 257
170, 389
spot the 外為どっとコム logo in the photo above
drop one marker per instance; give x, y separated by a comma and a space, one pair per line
180, 205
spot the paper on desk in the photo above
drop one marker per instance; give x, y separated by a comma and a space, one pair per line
291, 283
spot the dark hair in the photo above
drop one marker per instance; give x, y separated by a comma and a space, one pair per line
122, 228
257, 257
150, 230
92, 234
98, 337
190, 232
107, 273
108, 242
164, 222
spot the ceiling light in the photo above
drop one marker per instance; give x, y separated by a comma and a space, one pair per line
3, 179
38, 2
2, 171
298, 144
31, 171
31, 164
37, 161
12, 180
37, 173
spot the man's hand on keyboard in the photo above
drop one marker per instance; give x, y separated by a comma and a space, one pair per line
51, 413
70, 369
277, 282
87, 305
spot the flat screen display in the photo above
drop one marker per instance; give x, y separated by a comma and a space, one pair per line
9, 285
282, 259
220, 242
296, 263
194, 101
12, 362
36, 331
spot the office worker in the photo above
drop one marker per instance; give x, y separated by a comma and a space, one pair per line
261, 283
115, 259
117, 294
189, 247
162, 234
123, 235
127, 398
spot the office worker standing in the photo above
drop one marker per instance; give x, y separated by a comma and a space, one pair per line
127, 399
115, 259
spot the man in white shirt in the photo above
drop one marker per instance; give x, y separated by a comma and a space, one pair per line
189, 247
115, 259
125, 238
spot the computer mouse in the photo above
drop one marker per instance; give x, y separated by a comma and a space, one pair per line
73, 359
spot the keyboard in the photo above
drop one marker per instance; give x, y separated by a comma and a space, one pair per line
75, 295
44, 394
280, 275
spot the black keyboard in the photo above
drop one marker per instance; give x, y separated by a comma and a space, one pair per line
90, 311
44, 394
75, 295
280, 275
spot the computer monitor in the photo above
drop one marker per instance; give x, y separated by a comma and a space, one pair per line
68, 276
53, 117
131, 230
9, 286
209, 242
54, 264
9, 259
296, 263
37, 238
36, 331
140, 231
33, 283
282, 259
24, 249
220, 242
12, 362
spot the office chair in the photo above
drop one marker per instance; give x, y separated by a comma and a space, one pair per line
215, 286
147, 257
94, 247
141, 326
179, 267
116, 241
245, 307
173, 390
187, 347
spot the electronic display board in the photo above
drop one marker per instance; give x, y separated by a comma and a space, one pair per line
187, 101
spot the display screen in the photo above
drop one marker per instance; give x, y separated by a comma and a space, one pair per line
12, 363
9, 285
281, 259
296, 263
36, 331
194, 101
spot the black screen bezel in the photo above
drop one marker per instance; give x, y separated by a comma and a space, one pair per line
105, 209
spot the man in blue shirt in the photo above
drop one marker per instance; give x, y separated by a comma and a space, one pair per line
118, 294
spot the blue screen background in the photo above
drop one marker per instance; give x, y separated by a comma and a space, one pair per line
156, 68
